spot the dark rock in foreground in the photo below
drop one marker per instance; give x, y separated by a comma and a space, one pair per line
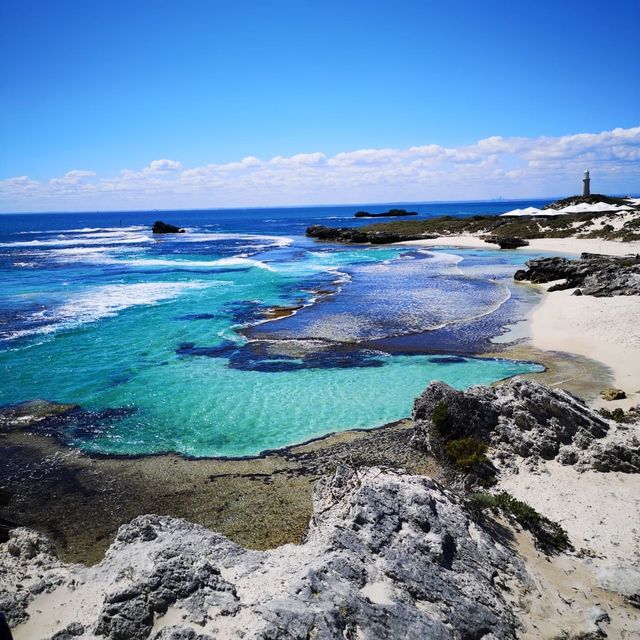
347, 235
392, 213
386, 556
506, 242
596, 275
163, 227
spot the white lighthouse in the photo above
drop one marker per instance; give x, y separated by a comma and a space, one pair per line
586, 184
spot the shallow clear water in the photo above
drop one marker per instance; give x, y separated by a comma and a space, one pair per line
167, 343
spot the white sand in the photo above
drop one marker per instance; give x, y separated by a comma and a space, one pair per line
600, 511
544, 245
603, 329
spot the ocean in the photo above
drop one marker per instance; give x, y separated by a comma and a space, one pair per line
242, 335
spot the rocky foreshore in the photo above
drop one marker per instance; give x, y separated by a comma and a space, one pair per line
387, 553
594, 274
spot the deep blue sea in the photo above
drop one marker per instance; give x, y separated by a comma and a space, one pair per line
242, 335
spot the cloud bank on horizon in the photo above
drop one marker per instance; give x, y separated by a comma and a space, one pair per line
509, 167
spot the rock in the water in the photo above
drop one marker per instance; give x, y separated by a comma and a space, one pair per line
613, 394
519, 420
596, 275
392, 213
27, 414
386, 556
506, 242
163, 227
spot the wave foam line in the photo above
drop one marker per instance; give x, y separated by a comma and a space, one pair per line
103, 302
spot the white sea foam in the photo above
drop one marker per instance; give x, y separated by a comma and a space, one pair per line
201, 264
102, 302
81, 240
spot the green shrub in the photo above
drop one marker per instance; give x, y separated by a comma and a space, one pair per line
466, 453
550, 535
440, 418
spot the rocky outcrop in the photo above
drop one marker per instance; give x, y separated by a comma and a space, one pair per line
613, 394
164, 227
506, 242
386, 556
30, 413
346, 235
596, 275
519, 421
392, 213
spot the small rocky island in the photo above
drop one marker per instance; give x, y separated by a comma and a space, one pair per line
392, 213
164, 227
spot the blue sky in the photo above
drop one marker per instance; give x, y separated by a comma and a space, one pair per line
102, 88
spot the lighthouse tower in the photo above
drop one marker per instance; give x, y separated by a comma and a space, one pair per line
586, 184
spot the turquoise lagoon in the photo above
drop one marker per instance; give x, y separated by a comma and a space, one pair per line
168, 345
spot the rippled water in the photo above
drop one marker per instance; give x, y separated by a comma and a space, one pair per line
171, 343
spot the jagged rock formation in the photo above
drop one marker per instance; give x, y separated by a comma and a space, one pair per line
520, 420
347, 235
386, 556
596, 275
507, 242
164, 227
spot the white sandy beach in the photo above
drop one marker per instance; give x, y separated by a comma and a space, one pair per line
555, 246
603, 329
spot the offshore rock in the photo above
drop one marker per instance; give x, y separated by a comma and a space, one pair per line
164, 227
386, 556
596, 275
519, 420
392, 213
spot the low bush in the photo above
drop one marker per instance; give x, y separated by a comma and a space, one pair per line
548, 534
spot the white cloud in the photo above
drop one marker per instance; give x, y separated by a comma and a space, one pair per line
494, 166
164, 165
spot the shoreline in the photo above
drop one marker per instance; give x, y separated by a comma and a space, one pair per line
264, 500
547, 245
605, 329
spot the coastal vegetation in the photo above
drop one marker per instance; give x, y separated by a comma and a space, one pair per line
623, 226
549, 535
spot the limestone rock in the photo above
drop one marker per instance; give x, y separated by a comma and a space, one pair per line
613, 394
518, 420
386, 556
510, 242
595, 274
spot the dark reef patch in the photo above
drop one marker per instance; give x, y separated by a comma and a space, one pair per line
265, 356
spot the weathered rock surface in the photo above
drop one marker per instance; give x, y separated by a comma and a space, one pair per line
164, 227
596, 275
348, 235
386, 556
507, 242
613, 394
520, 420
28, 414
